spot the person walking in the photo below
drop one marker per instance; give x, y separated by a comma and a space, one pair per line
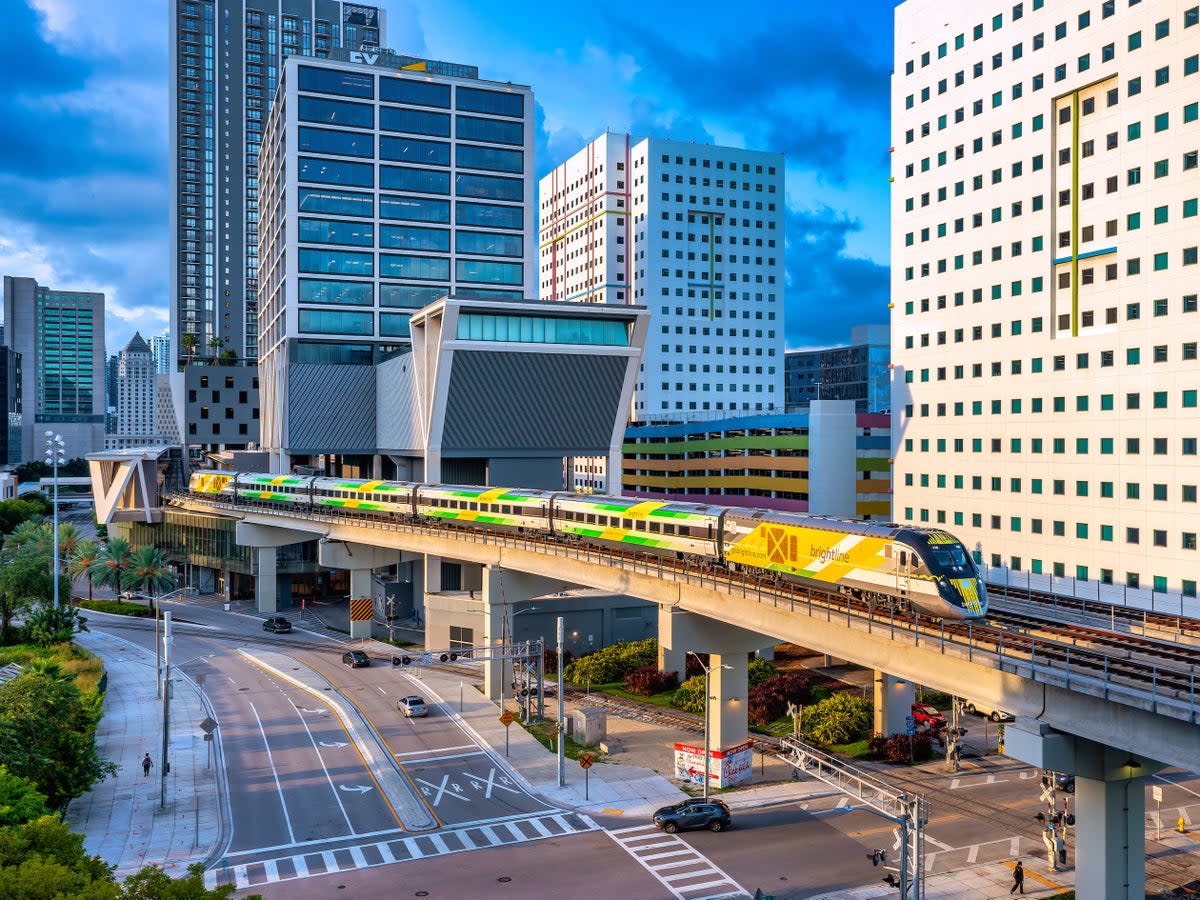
146, 765
1018, 879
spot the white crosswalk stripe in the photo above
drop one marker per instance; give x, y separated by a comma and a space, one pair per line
402, 849
684, 871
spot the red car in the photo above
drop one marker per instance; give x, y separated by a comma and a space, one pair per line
926, 715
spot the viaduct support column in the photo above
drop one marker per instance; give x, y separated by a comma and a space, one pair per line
893, 703
361, 560
728, 648
1110, 805
266, 538
501, 589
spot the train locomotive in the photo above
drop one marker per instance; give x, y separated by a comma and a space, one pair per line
885, 564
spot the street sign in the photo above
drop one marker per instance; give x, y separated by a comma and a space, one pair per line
910, 725
209, 725
507, 718
1156, 793
585, 760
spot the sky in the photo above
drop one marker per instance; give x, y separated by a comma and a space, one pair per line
84, 102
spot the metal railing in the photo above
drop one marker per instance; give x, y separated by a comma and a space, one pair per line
1164, 689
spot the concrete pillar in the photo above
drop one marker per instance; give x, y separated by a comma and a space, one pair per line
501, 589
360, 586
727, 700
1109, 807
266, 585
893, 703
672, 655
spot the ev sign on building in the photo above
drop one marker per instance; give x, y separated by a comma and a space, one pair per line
725, 767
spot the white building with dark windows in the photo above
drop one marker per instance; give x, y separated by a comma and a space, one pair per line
387, 183
1045, 321
696, 234
137, 400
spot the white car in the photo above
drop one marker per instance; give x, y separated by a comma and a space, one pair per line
979, 708
412, 707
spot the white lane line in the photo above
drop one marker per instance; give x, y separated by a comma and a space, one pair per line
413, 850
641, 847
698, 873
563, 824
271, 869
539, 827
466, 841
436, 759
324, 768
278, 787
240, 878
515, 831
436, 750
1014, 847
301, 866
973, 853
356, 854
666, 853
492, 837
385, 852
938, 843
711, 884
331, 864
633, 828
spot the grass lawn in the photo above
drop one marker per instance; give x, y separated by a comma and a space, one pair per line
617, 689
858, 749
71, 659
547, 731
116, 607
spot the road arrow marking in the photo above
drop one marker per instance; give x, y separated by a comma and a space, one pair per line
337, 745
305, 709
355, 788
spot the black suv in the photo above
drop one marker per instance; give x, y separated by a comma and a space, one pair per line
356, 659
712, 814
277, 624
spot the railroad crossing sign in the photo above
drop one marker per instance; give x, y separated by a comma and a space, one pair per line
585, 760
507, 718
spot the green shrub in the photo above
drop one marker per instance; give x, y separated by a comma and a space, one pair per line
613, 662
840, 719
690, 696
116, 607
758, 671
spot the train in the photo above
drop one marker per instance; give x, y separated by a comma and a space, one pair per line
894, 565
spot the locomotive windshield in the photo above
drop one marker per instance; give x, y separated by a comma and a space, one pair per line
952, 560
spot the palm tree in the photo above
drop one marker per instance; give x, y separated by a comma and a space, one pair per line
82, 561
149, 572
68, 539
30, 533
189, 342
215, 343
112, 563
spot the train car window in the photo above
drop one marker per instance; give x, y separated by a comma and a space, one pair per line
591, 518
641, 525
903, 558
668, 528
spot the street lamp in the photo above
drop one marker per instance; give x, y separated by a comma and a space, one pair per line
55, 457
707, 673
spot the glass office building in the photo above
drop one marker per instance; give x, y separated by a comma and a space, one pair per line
387, 182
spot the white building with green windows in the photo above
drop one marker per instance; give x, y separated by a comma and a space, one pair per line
386, 183
1044, 285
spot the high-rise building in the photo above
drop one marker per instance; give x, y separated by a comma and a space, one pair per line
160, 349
387, 183
858, 372
136, 397
60, 336
226, 58
1045, 322
10, 406
695, 233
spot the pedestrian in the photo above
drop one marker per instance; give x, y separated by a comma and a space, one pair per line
1061, 845
1018, 879
146, 764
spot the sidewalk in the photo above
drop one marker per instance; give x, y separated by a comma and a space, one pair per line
121, 818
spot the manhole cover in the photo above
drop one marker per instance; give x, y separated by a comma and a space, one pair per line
504, 879
243, 689
421, 894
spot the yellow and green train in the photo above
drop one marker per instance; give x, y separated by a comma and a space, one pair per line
927, 569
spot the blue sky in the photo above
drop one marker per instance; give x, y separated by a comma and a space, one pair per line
83, 163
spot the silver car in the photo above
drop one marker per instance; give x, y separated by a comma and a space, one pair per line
412, 707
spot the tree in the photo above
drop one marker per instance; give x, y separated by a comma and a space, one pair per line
46, 735
32, 533
112, 563
149, 572
81, 561
44, 860
14, 512
189, 342
49, 624
33, 470
840, 719
25, 580
215, 343
20, 800
152, 883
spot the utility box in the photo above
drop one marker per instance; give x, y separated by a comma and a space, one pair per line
589, 725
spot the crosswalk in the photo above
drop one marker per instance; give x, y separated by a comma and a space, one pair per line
403, 849
680, 868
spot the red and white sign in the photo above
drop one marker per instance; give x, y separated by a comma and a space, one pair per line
726, 767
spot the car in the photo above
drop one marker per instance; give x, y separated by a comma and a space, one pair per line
412, 707
926, 715
986, 709
698, 801
693, 813
1064, 781
277, 624
356, 659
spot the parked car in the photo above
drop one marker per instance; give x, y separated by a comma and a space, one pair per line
926, 715
986, 709
1064, 781
356, 659
693, 813
412, 707
277, 624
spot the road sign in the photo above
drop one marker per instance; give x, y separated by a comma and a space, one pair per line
209, 725
507, 718
361, 609
585, 760
910, 725
1156, 793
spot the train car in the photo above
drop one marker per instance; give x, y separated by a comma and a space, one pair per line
494, 507
928, 569
292, 490
657, 526
374, 496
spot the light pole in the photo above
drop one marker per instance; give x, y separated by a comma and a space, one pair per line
562, 725
55, 457
707, 672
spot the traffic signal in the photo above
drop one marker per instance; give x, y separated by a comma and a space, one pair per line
877, 856
401, 660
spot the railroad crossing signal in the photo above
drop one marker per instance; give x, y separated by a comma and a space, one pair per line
585, 760
507, 718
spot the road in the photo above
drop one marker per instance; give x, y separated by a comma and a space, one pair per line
309, 819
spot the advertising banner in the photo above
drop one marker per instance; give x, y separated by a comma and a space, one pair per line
725, 767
